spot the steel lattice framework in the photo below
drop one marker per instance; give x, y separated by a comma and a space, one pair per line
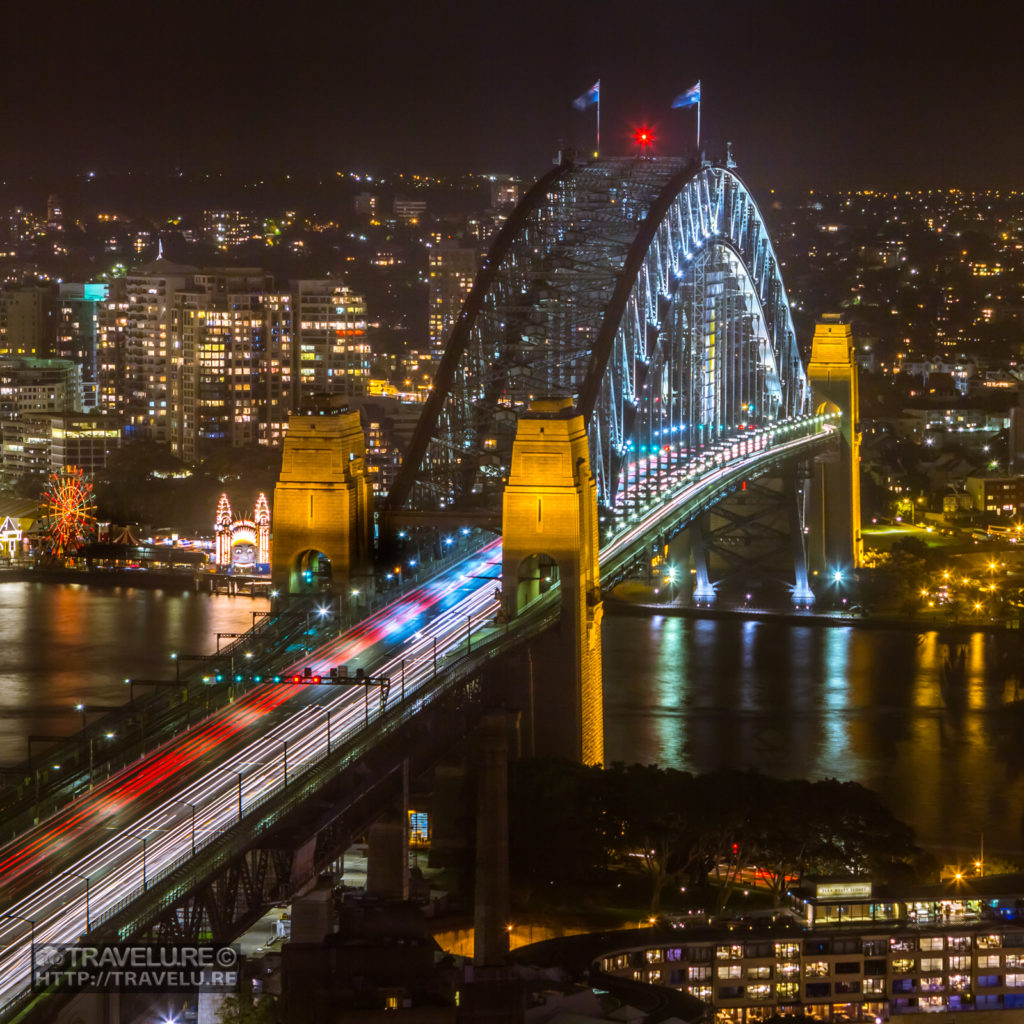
645, 289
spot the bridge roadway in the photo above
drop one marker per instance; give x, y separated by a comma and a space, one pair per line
151, 817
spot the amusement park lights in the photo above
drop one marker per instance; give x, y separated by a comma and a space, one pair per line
69, 518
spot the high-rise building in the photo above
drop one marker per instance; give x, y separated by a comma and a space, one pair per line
452, 270
506, 191
150, 294
30, 391
111, 343
82, 439
226, 229
39, 385
233, 368
332, 352
409, 212
77, 330
27, 321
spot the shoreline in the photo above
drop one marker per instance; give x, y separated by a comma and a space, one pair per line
140, 579
620, 606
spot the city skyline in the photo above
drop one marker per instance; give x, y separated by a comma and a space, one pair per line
822, 95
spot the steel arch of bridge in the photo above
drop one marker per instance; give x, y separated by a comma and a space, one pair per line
646, 290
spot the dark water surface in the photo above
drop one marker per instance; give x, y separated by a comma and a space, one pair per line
941, 740
943, 744
64, 644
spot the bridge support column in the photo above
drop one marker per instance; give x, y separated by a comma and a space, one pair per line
322, 505
386, 859
703, 588
751, 544
803, 596
491, 906
835, 531
549, 524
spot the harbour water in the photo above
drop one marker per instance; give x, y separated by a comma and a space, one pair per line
931, 722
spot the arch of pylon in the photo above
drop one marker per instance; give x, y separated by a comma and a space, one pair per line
647, 290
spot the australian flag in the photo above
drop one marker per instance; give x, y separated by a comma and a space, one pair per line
589, 98
690, 98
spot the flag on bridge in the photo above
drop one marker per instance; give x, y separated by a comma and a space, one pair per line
589, 98
592, 98
690, 98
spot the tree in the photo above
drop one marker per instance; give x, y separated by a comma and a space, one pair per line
240, 1009
651, 818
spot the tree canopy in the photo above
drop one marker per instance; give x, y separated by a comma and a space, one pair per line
570, 823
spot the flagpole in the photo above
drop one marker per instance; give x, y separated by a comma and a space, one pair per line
698, 117
598, 151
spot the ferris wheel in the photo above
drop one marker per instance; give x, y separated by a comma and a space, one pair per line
69, 512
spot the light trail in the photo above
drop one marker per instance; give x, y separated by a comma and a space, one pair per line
161, 790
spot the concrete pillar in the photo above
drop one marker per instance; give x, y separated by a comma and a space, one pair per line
549, 523
322, 502
386, 859
491, 897
835, 543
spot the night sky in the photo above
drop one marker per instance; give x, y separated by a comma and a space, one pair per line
829, 94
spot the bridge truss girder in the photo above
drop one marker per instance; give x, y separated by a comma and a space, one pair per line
649, 292
756, 536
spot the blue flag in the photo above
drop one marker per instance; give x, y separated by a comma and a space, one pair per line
589, 98
690, 98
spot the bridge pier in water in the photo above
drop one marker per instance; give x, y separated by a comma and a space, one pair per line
323, 510
550, 530
752, 543
835, 542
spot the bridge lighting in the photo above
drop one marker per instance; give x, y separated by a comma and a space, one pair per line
449, 541
837, 576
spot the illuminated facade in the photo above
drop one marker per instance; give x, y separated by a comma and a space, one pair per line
451, 272
323, 505
111, 344
232, 370
549, 532
231, 532
861, 957
27, 319
333, 355
77, 333
227, 229
147, 347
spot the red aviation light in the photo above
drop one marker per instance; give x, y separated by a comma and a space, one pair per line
644, 138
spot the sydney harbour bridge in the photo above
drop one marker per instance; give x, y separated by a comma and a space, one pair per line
624, 371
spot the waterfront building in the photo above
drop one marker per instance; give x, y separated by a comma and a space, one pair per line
81, 439
848, 951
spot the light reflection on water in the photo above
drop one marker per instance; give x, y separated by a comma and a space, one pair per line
61, 644
937, 734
